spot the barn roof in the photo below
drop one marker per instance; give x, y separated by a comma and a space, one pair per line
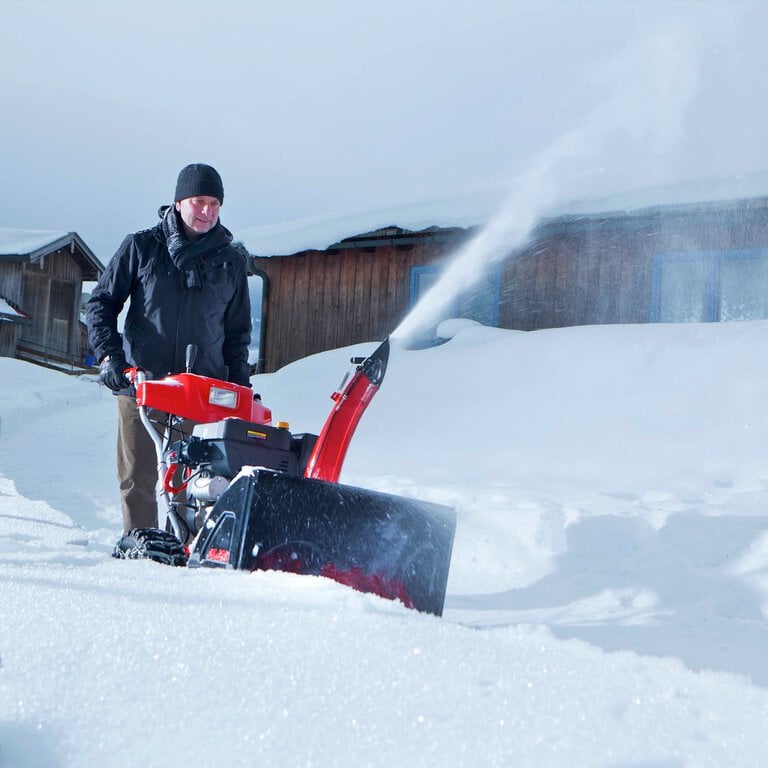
477, 208
328, 230
399, 236
33, 244
705, 207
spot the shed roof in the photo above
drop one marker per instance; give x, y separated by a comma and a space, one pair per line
9, 313
33, 244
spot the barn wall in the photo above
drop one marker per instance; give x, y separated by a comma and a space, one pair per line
11, 280
593, 270
319, 300
52, 288
8, 335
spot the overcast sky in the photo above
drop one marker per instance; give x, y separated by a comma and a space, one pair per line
308, 108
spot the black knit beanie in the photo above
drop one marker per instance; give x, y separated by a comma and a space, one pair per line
199, 180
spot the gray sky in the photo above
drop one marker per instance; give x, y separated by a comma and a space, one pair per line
314, 107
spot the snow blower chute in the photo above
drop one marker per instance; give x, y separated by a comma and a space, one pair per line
252, 496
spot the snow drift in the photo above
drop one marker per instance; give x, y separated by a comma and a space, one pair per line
606, 604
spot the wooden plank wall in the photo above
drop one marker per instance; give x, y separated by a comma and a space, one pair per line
320, 300
11, 280
8, 335
594, 270
52, 289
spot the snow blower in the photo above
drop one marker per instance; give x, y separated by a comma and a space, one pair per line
252, 496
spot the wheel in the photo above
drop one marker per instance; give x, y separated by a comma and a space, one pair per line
151, 544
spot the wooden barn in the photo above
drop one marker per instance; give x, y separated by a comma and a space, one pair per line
668, 263
41, 280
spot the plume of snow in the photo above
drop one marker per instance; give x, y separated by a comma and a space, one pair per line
640, 122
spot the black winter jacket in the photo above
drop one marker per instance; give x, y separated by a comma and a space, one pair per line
181, 292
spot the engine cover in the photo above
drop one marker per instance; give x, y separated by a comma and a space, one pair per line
228, 445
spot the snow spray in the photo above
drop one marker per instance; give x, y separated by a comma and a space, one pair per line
637, 124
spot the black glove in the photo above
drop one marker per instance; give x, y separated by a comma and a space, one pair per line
111, 372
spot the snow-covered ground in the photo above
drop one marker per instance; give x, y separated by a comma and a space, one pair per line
607, 600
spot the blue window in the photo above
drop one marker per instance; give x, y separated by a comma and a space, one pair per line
480, 301
714, 286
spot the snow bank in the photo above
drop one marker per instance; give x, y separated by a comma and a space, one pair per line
607, 601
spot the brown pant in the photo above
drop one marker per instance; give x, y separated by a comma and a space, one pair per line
137, 463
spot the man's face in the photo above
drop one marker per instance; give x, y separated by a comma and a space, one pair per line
199, 214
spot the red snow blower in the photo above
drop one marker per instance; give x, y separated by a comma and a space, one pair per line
252, 496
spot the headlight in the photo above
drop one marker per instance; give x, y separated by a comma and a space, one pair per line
225, 398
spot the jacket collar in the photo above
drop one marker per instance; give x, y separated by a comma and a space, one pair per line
180, 248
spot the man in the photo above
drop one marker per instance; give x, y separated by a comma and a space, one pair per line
186, 284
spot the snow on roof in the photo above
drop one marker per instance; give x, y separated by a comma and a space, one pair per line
18, 242
7, 309
685, 193
320, 232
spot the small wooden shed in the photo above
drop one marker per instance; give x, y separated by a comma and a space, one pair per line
41, 281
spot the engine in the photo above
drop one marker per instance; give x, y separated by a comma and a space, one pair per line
216, 452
